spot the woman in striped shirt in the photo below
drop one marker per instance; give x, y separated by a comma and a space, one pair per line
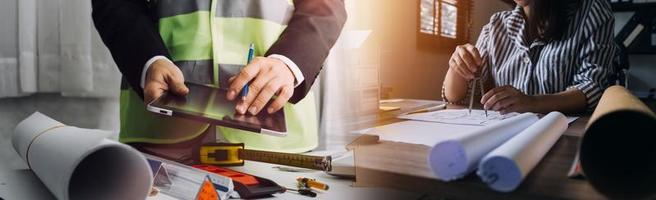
545, 55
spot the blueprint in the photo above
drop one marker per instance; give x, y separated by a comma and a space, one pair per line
460, 116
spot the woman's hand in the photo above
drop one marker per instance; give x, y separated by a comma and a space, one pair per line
506, 99
465, 61
267, 77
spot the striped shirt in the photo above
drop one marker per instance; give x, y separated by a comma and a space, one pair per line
581, 60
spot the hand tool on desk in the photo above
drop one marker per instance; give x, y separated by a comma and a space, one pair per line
472, 86
311, 183
303, 191
234, 154
473, 90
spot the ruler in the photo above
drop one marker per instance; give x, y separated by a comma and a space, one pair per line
234, 154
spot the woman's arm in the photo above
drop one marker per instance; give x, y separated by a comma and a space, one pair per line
507, 99
596, 53
464, 63
569, 101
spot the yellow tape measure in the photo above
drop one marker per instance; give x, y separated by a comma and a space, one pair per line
228, 154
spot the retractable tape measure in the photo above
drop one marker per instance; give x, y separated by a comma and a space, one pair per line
234, 154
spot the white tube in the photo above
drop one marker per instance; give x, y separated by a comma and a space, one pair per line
505, 168
76, 163
454, 158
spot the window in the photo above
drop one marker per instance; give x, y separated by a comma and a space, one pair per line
442, 23
448, 20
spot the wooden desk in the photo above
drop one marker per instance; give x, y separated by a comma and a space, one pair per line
548, 180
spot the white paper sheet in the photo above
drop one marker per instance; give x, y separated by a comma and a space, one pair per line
76, 163
504, 168
420, 132
460, 116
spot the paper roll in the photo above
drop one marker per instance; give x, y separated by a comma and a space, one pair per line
454, 158
505, 168
75, 163
618, 150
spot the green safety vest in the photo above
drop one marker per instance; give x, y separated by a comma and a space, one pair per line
208, 40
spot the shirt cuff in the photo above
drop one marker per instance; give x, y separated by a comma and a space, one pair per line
147, 65
298, 75
591, 91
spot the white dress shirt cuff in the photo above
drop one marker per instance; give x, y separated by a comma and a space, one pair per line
298, 75
147, 65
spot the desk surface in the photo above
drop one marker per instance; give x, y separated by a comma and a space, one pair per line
18, 183
547, 181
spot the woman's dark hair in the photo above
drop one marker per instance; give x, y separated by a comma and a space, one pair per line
549, 18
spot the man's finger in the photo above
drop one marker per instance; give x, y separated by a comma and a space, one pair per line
283, 96
152, 92
254, 89
177, 86
245, 75
264, 96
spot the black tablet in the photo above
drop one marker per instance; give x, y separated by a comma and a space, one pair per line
209, 104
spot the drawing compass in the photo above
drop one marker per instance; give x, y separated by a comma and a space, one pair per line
472, 91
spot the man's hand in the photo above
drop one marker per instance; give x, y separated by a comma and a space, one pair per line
163, 76
508, 99
267, 77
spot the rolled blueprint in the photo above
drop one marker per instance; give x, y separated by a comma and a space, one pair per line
506, 167
454, 158
618, 150
75, 163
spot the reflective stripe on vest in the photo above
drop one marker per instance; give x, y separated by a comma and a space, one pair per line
200, 71
209, 40
278, 11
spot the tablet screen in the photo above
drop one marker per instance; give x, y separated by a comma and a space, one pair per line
209, 104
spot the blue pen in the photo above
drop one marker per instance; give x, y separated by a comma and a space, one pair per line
251, 53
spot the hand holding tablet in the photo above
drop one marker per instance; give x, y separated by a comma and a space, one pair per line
209, 104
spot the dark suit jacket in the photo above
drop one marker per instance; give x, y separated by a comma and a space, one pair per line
128, 29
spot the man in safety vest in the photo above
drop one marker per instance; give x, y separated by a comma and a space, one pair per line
160, 44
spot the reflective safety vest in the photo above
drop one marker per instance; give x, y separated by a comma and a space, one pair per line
208, 40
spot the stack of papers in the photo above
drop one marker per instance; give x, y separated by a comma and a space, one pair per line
503, 148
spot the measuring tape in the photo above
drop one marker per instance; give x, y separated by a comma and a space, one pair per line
234, 154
